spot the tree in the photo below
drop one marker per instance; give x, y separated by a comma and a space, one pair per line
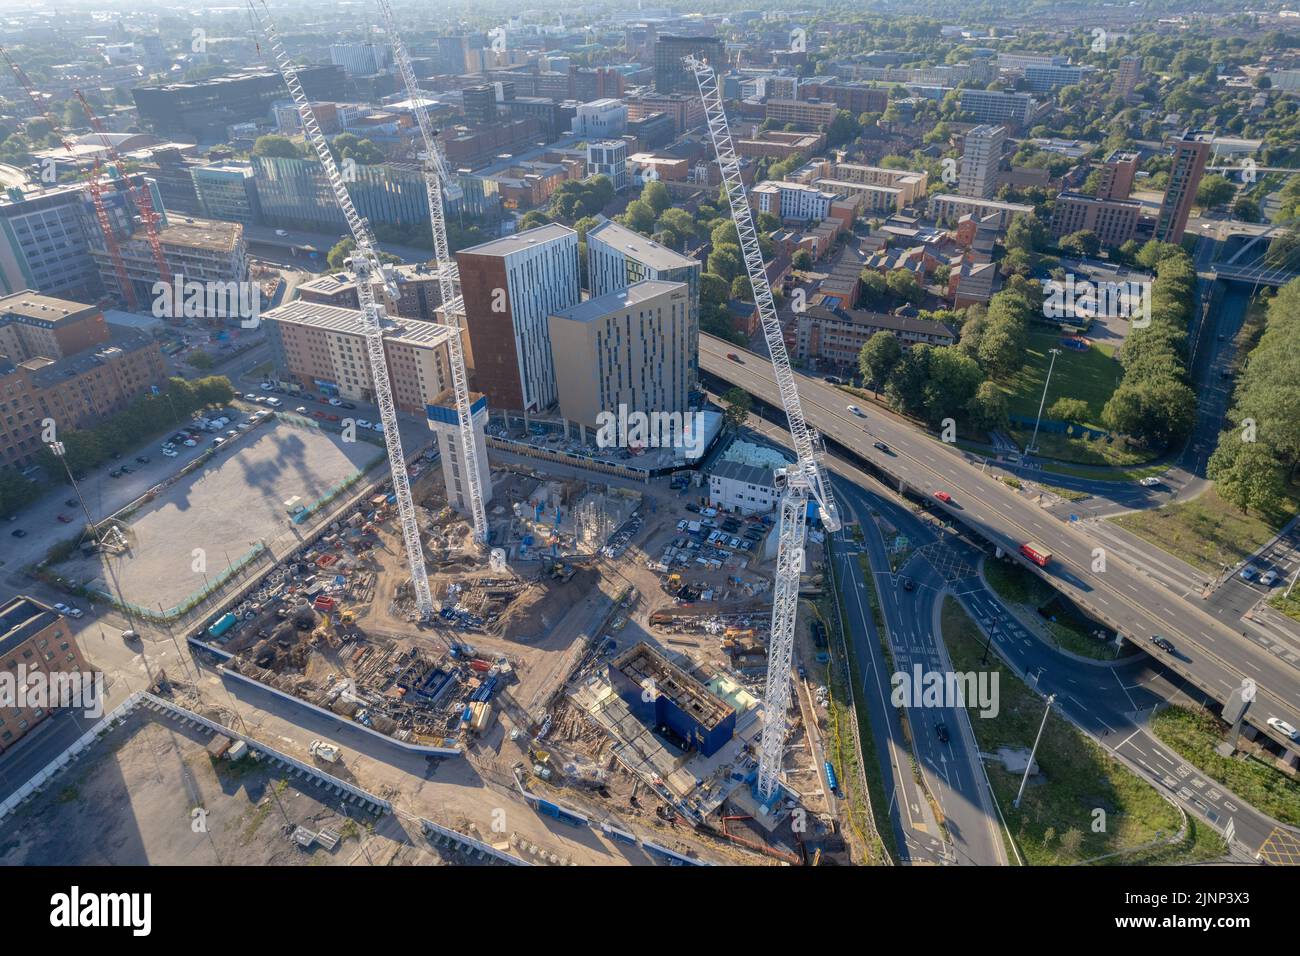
1214, 190
987, 409
802, 260
904, 284
279, 146
678, 223
906, 386
1069, 410
738, 404
878, 357
874, 290
727, 262
639, 217
741, 289
714, 288
531, 220
339, 252
1083, 244
843, 128
655, 194
1246, 474
954, 378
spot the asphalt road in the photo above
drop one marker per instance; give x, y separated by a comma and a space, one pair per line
952, 769
1206, 652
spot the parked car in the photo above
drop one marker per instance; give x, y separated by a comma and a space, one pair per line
362, 423
18, 533
1268, 578
250, 397
347, 405
170, 452
336, 402
1283, 728
1150, 481
190, 443
142, 459
68, 611
301, 409
267, 386
1249, 573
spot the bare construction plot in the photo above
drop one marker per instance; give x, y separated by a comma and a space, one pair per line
148, 793
225, 509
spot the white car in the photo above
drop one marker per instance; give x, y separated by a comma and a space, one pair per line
1268, 578
378, 426
336, 402
1150, 481
274, 402
170, 452
856, 411
69, 611
250, 397
266, 386
281, 232
362, 423
190, 443
1283, 728
301, 409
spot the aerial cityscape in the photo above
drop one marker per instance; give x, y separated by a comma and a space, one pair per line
607, 435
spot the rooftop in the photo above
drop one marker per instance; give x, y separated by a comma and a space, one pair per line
42, 308
520, 241
635, 294
332, 318
201, 233
22, 618
638, 247
642, 663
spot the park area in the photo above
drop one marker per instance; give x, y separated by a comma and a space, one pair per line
186, 538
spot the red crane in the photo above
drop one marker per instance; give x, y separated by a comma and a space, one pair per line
143, 200
95, 186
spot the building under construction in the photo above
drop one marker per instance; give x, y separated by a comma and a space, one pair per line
661, 694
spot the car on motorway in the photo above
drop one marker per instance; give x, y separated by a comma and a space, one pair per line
336, 402
856, 411
1163, 643
281, 233
1249, 573
941, 731
1150, 481
18, 533
63, 519
881, 446
362, 423
68, 610
943, 496
734, 357
1283, 728
1268, 578
347, 405
909, 584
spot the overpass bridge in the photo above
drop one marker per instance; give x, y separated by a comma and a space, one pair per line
1206, 653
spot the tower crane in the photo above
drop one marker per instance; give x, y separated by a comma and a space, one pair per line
799, 483
94, 185
369, 270
143, 201
441, 187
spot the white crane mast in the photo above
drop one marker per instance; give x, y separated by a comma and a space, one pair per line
369, 269
440, 186
800, 482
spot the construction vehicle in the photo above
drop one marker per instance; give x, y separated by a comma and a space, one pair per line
327, 752
798, 483
370, 271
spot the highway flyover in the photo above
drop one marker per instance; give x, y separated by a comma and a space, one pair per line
1206, 653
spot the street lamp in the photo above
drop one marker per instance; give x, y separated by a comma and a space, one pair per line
60, 452
1033, 442
1030, 764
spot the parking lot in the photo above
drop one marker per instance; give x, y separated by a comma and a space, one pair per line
208, 520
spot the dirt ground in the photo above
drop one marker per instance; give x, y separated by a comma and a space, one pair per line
141, 786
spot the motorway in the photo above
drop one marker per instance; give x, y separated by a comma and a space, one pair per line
1214, 658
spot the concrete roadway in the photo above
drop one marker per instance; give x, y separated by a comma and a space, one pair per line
1213, 657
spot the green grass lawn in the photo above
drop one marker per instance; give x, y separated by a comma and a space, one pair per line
1054, 825
1193, 734
1208, 532
1091, 376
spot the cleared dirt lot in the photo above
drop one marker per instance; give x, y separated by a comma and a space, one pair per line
224, 509
131, 799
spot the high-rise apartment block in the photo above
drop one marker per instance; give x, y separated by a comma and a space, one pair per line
511, 286
1191, 153
671, 74
981, 154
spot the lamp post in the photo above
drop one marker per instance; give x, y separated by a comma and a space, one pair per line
1030, 764
60, 452
1033, 442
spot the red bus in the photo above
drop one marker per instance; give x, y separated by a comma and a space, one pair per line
1036, 553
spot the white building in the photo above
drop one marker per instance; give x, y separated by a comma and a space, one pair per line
608, 157
359, 59
795, 201
741, 479
601, 119
444, 421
